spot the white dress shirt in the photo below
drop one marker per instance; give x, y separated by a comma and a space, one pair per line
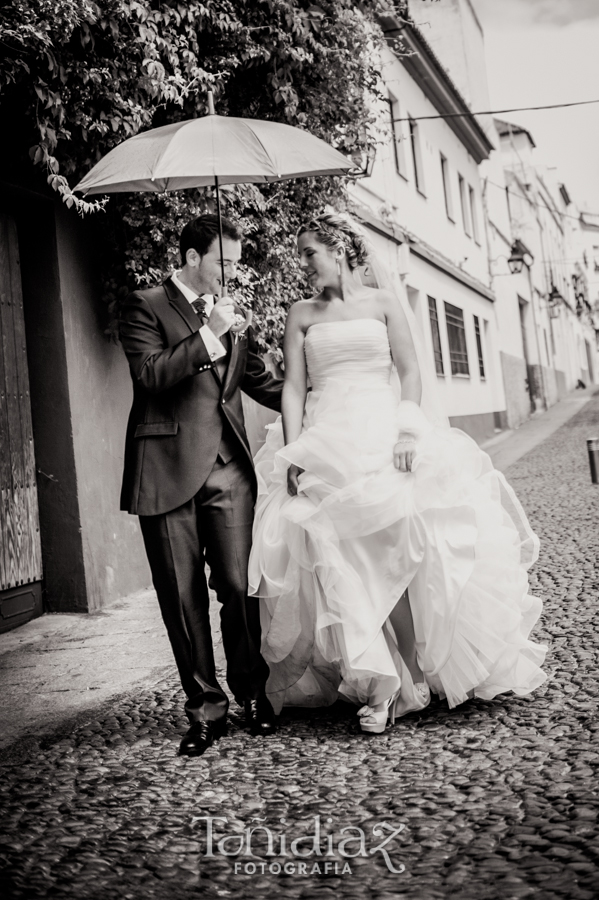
214, 347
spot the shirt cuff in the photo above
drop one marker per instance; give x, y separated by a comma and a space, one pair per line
214, 347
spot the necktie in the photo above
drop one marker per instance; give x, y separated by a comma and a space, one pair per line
199, 306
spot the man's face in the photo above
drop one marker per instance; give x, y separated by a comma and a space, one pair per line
204, 272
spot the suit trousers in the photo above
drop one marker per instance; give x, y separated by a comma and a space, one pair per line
215, 527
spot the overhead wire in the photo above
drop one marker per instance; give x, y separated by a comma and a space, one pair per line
542, 205
496, 112
506, 188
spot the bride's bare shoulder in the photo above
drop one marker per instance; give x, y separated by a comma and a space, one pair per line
302, 313
384, 296
389, 305
384, 300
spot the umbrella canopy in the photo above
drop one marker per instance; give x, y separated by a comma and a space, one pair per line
212, 150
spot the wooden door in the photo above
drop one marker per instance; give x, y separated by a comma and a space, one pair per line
20, 548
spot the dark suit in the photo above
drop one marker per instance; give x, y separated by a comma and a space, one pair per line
190, 478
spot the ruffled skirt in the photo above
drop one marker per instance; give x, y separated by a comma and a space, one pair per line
330, 564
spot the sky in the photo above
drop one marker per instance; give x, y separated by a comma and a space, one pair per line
547, 51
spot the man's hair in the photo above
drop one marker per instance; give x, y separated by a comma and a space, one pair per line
199, 234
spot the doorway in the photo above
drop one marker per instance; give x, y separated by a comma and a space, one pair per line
522, 306
20, 545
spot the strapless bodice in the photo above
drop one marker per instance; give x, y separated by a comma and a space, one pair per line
353, 350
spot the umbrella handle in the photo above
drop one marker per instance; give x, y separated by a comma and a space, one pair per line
220, 238
245, 324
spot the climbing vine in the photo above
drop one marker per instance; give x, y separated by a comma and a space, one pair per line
82, 76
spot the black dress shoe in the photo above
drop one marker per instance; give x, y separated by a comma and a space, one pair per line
200, 736
260, 716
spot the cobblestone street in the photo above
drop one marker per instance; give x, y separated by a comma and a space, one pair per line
498, 799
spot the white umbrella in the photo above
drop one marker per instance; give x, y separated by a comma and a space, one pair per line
213, 150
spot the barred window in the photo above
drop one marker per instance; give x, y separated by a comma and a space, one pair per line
474, 215
479, 348
456, 334
397, 136
464, 206
437, 351
447, 189
416, 156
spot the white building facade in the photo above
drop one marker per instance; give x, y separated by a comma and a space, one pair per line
450, 201
424, 206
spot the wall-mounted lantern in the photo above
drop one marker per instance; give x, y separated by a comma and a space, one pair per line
554, 301
364, 163
520, 256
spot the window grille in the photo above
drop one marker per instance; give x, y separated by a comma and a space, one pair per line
479, 348
456, 334
437, 351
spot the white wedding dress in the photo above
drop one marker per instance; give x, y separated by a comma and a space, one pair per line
330, 564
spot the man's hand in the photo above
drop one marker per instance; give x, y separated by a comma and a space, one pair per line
222, 316
293, 473
403, 452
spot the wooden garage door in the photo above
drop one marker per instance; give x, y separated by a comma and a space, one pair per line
20, 550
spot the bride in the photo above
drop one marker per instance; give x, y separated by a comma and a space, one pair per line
389, 556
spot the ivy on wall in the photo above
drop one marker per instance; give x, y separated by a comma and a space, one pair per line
86, 75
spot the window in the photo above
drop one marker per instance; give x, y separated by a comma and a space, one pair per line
464, 205
438, 353
479, 348
473, 215
456, 334
447, 189
416, 156
397, 136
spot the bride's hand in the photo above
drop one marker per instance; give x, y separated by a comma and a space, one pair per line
404, 452
293, 473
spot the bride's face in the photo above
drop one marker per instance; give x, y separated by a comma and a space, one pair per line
318, 261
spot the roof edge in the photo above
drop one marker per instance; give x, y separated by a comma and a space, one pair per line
434, 80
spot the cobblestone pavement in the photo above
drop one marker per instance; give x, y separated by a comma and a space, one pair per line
498, 799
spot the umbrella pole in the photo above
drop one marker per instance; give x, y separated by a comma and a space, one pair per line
220, 237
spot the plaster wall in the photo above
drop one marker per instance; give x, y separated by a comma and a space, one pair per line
100, 396
422, 210
454, 32
461, 395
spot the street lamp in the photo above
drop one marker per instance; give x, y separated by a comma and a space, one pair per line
554, 298
520, 256
364, 161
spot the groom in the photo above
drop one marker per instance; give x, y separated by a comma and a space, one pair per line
189, 474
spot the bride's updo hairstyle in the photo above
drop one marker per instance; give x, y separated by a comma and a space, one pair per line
339, 232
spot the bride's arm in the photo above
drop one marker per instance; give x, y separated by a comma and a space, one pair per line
295, 386
406, 363
402, 349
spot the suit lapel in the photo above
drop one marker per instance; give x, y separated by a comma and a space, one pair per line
233, 354
182, 305
189, 316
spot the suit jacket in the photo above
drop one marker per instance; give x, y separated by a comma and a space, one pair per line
180, 404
